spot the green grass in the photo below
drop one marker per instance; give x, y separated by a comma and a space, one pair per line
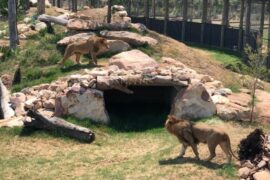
229, 59
148, 154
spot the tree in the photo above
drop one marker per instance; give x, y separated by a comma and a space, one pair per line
41, 7
12, 22
256, 60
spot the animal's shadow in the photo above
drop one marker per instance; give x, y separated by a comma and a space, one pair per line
183, 160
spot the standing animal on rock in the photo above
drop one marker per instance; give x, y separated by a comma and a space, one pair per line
190, 134
93, 45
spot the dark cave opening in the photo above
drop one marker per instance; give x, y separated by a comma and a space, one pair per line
146, 108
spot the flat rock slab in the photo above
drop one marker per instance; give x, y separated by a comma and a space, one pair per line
80, 24
133, 60
129, 37
71, 39
263, 105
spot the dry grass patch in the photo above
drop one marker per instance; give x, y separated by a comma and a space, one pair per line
127, 155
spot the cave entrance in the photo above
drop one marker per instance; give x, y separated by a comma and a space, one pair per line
146, 108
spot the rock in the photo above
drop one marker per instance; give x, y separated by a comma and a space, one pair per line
40, 26
5, 110
87, 105
7, 80
131, 60
81, 24
129, 37
22, 28
262, 175
122, 13
71, 39
263, 105
34, 3
116, 46
98, 72
27, 20
118, 8
193, 102
12, 122
261, 164
223, 92
49, 104
219, 99
29, 104
246, 91
248, 164
127, 19
244, 172
173, 63
231, 111
141, 28
17, 101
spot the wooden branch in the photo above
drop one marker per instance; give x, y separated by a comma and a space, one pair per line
60, 125
56, 20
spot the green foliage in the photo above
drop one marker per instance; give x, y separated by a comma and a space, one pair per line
228, 171
4, 7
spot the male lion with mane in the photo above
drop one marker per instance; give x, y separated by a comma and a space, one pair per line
93, 45
190, 134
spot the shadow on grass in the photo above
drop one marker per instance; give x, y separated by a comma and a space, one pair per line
183, 160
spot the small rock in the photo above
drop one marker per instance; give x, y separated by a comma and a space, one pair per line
49, 104
218, 99
244, 172
262, 175
122, 13
40, 26
223, 92
261, 164
118, 8
127, 19
29, 104
248, 164
27, 20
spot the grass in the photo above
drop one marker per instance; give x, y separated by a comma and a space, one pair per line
229, 59
149, 154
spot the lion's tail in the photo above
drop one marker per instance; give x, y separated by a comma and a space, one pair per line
230, 148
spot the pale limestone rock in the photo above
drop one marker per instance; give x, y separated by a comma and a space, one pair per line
193, 102
131, 60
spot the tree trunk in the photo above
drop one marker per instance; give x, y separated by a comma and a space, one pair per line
204, 19
109, 15
262, 22
225, 20
166, 16
154, 8
146, 12
12, 22
61, 126
240, 34
129, 8
56, 20
58, 3
185, 16
41, 7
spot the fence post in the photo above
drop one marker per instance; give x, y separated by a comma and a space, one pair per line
129, 8
146, 12
262, 22
58, 3
109, 15
240, 33
166, 16
268, 42
225, 20
12, 24
185, 12
154, 8
204, 19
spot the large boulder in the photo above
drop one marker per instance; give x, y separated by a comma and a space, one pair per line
5, 110
133, 60
233, 107
193, 102
116, 46
263, 105
129, 37
71, 39
89, 104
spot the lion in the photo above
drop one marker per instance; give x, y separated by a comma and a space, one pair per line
190, 134
93, 45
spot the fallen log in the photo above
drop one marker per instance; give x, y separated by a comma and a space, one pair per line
57, 124
57, 20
